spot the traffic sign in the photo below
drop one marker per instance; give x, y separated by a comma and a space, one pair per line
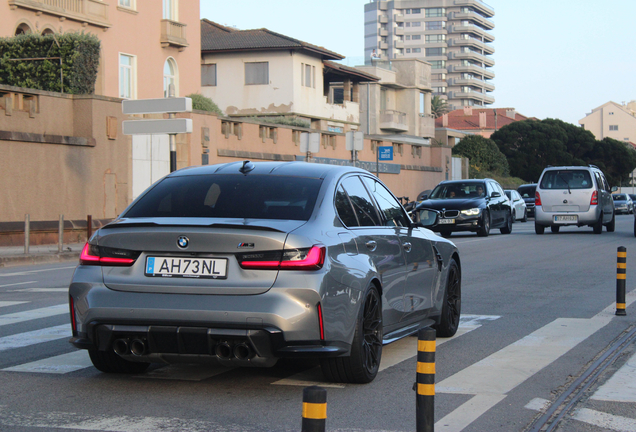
385, 153
162, 126
309, 142
354, 141
156, 106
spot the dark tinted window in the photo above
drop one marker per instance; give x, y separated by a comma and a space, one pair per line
390, 208
527, 191
229, 196
509, 195
564, 179
345, 208
363, 207
619, 197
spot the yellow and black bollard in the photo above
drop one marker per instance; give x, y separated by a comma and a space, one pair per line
621, 276
314, 409
425, 382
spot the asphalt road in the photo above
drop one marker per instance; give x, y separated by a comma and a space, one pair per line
537, 311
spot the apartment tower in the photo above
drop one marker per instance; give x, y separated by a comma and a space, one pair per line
452, 35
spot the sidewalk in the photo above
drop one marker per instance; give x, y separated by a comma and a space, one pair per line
41, 254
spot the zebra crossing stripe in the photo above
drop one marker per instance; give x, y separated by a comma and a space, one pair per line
61, 364
46, 312
35, 337
10, 303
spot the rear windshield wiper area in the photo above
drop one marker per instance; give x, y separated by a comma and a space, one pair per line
127, 223
566, 182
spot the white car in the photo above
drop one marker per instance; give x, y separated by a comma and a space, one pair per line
519, 211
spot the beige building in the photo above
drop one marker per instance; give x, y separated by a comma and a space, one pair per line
612, 120
144, 44
400, 102
452, 35
262, 73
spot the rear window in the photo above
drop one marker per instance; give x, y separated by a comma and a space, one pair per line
566, 179
619, 197
229, 196
527, 191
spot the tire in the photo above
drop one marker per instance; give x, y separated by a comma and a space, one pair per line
538, 228
508, 228
109, 362
451, 308
598, 225
555, 229
611, 226
635, 227
485, 225
525, 216
362, 365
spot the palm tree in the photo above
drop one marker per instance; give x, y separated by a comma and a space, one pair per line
439, 107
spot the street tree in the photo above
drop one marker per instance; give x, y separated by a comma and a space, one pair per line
484, 156
439, 106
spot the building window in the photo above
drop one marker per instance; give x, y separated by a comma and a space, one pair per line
208, 75
435, 25
438, 64
308, 75
438, 77
170, 9
408, 37
416, 24
435, 51
128, 4
435, 38
613, 127
417, 50
23, 29
256, 73
611, 113
170, 77
417, 37
439, 89
408, 50
422, 103
416, 11
127, 76
435, 12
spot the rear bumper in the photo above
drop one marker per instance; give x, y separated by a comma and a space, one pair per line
583, 218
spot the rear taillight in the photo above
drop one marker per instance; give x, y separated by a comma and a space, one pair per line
311, 258
594, 199
71, 305
103, 256
537, 199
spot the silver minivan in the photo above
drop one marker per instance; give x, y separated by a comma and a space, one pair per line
573, 195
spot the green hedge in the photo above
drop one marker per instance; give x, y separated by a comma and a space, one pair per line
80, 60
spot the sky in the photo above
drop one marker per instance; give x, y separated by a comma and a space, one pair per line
553, 58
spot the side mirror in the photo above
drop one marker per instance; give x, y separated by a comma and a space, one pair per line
426, 217
424, 197
614, 188
495, 195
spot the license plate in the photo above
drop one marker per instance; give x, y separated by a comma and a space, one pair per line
215, 268
446, 221
566, 218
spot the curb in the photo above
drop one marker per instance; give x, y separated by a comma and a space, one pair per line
17, 260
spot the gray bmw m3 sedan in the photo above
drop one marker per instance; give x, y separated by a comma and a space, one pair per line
245, 263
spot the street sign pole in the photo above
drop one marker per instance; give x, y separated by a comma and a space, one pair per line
173, 137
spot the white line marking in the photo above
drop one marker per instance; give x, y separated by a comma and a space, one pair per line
621, 387
19, 283
10, 303
33, 314
468, 412
41, 290
538, 404
35, 337
61, 364
25, 273
605, 421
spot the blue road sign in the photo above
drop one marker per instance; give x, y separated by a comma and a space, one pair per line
385, 153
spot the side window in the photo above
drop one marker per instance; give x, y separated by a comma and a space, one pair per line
599, 180
390, 208
490, 188
345, 208
362, 205
606, 183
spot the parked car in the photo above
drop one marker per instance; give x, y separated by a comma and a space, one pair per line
623, 203
519, 208
244, 263
574, 195
633, 197
468, 205
527, 193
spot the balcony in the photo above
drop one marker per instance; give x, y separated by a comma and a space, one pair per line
472, 16
393, 121
472, 42
384, 32
482, 97
173, 34
472, 69
472, 82
398, 18
383, 45
398, 44
470, 28
477, 4
383, 5
383, 19
399, 31
472, 55
92, 12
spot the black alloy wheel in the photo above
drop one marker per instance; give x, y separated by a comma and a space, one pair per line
598, 225
538, 228
525, 216
611, 226
451, 308
366, 349
485, 225
508, 228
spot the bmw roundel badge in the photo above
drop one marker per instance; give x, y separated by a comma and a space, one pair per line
183, 242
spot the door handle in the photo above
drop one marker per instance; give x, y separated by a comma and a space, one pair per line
407, 247
372, 245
